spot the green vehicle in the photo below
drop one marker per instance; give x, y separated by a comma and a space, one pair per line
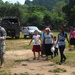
12, 26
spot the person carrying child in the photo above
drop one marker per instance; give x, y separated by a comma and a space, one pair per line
37, 42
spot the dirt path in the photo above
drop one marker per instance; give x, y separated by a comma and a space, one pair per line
24, 63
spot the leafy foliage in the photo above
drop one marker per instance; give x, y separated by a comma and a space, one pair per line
46, 3
69, 10
37, 12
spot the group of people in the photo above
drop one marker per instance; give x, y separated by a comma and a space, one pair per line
47, 41
44, 43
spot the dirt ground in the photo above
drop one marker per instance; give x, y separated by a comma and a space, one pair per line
21, 61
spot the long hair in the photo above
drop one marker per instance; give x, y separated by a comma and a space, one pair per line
62, 30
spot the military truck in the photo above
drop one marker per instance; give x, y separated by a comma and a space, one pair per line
12, 26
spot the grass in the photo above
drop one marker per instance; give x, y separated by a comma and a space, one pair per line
58, 70
3, 72
19, 44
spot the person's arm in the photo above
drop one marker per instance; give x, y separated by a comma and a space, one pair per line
67, 38
31, 41
57, 39
3, 36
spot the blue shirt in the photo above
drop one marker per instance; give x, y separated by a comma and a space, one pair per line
62, 39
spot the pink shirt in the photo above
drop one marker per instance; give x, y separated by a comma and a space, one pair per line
72, 34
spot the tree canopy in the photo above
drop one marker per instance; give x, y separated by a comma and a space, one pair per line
40, 13
46, 3
69, 10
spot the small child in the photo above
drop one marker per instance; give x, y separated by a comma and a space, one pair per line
36, 46
56, 47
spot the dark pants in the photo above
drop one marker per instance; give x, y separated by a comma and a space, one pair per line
1, 58
56, 52
61, 49
2, 52
43, 49
48, 49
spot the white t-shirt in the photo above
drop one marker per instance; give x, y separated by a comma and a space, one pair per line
49, 38
36, 39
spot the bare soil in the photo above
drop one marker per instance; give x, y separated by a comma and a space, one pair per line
21, 61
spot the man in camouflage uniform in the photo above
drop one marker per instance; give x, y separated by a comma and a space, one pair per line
2, 45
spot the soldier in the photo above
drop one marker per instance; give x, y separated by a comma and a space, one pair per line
2, 45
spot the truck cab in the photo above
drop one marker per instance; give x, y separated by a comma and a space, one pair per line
12, 26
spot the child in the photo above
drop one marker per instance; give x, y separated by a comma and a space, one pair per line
56, 47
36, 46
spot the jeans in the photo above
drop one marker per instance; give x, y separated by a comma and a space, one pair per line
62, 56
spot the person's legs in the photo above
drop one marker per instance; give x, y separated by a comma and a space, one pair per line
38, 55
1, 58
46, 51
34, 55
55, 53
61, 49
51, 53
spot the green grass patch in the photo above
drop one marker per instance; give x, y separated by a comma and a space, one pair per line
26, 73
3, 72
70, 58
58, 70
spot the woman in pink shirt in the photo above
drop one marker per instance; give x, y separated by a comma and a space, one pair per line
72, 38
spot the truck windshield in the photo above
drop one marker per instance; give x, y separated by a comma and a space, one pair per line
33, 28
10, 21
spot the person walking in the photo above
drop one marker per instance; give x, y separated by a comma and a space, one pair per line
61, 43
72, 38
48, 37
2, 45
36, 47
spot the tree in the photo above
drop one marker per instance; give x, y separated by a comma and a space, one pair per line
35, 18
69, 10
46, 3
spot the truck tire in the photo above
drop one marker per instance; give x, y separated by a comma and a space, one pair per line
17, 37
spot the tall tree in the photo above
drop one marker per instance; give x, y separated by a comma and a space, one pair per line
69, 10
46, 3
